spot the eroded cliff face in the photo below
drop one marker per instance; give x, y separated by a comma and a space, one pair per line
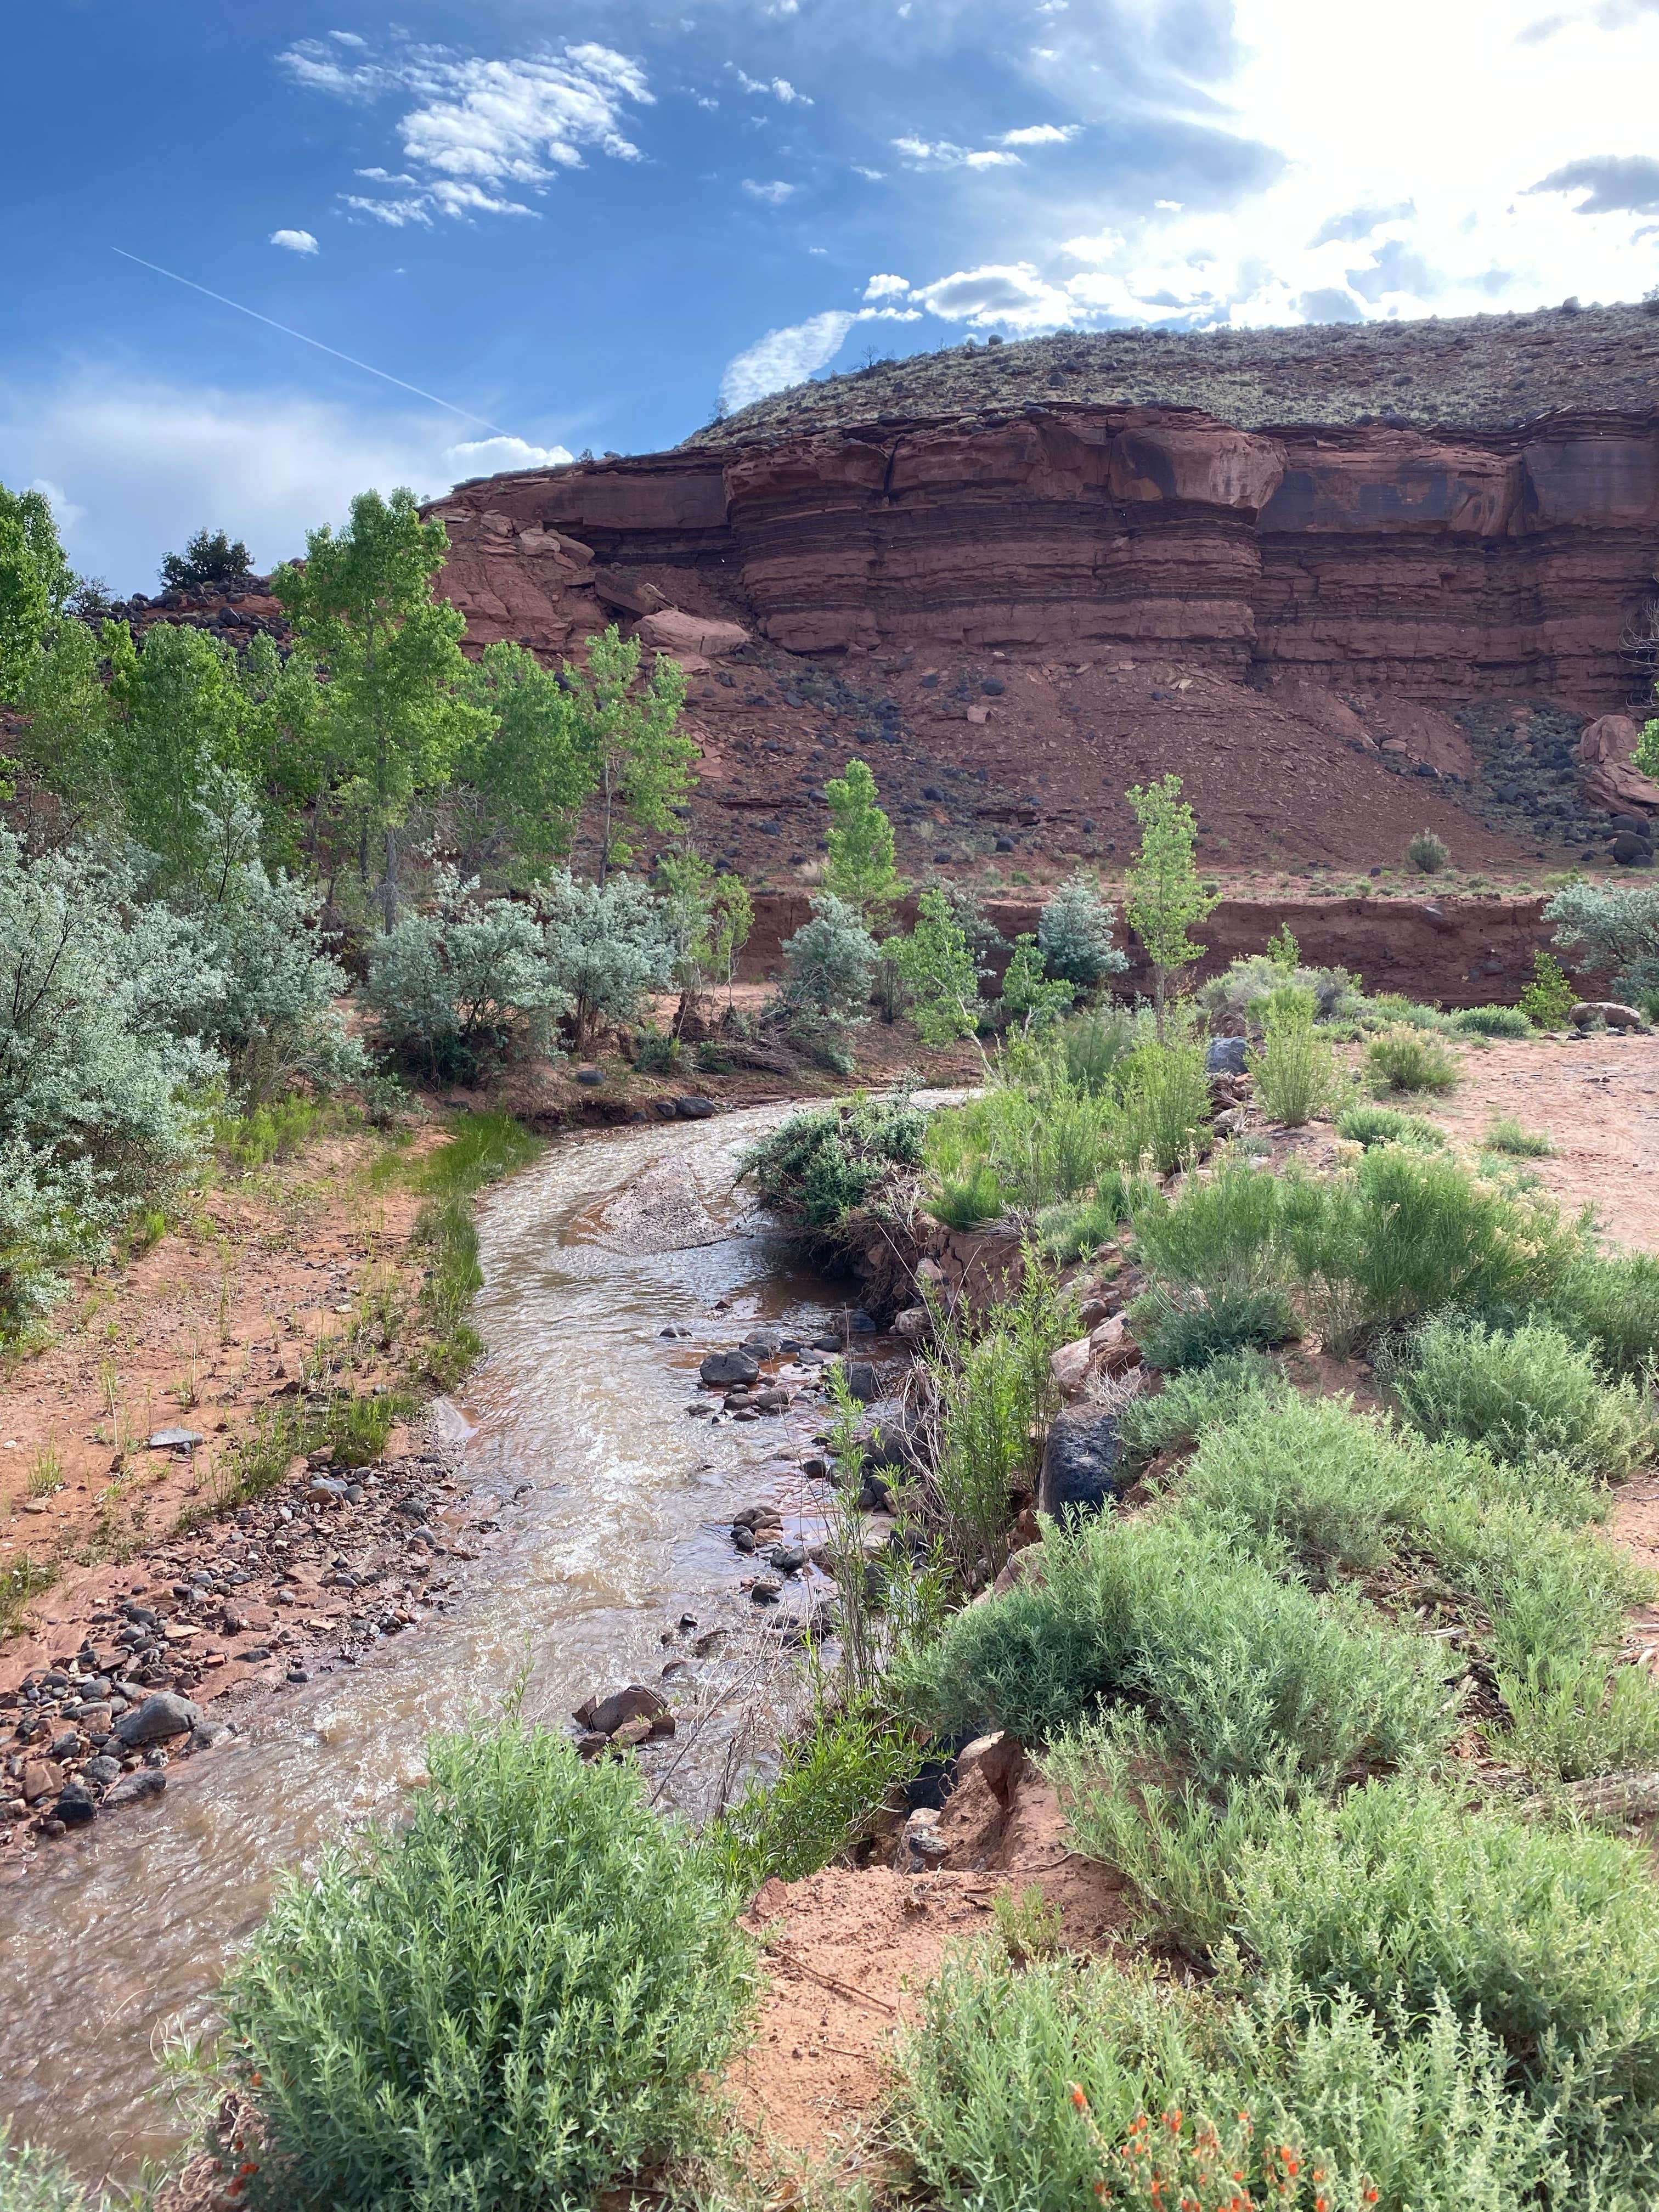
1377, 558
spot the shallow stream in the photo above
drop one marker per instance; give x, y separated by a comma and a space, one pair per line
121, 1932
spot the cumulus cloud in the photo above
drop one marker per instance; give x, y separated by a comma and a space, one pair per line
784, 357
773, 194
295, 241
1012, 294
496, 457
133, 467
481, 126
941, 153
1041, 133
886, 288
1611, 183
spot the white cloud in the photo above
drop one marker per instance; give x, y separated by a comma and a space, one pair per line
940, 153
870, 176
133, 468
1012, 295
481, 126
348, 38
1101, 247
886, 288
784, 357
64, 511
779, 87
295, 241
773, 194
496, 457
1041, 133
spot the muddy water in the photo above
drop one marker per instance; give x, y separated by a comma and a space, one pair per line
121, 1935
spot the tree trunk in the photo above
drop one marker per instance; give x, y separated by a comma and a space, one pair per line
389, 888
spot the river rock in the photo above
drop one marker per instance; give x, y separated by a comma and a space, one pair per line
183, 1440
674, 1328
605, 1715
41, 1779
767, 1589
862, 1380
134, 1789
763, 1343
774, 1400
104, 1770
720, 1369
788, 1559
165, 1714
77, 1807
1226, 1056
694, 1109
1081, 1472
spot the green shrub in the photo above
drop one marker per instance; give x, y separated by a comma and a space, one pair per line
1213, 1397
1233, 1001
1406, 1060
1095, 1047
1610, 1304
1166, 1093
1078, 1227
1296, 1077
1525, 1396
1044, 1140
1183, 1332
824, 1163
1508, 1135
965, 1201
984, 2118
514, 2000
1238, 1672
1428, 854
657, 1055
274, 1132
1368, 1125
1492, 1021
830, 1779
34, 2180
1549, 1000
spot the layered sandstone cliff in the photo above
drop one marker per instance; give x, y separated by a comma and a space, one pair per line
1441, 563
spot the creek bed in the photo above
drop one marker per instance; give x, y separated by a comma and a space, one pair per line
123, 1930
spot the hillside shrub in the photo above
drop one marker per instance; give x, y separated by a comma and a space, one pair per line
1610, 1304
1427, 853
449, 986
1549, 999
1094, 1046
1234, 1671
1405, 1059
1296, 1077
1075, 1228
831, 1777
1074, 935
1215, 1395
966, 1201
605, 945
1233, 1000
822, 1164
514, 2000
1364, 1123
1527, 1395
1492, 1021
985, 2117
1166, 1095
1508, 1135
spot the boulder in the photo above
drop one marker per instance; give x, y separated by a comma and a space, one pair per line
721, 1370
1589, 1012
862, 1382
1071, 1366
134, 1788
1224, 1055
672, 631
997, 1760
1605, 748
1082, 1462
164, 1714
604, 1715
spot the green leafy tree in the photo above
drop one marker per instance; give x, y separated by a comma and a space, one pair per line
365, 609
1166, 898
1646, 756
1030, 995
527, 761
860, 870
287, 742
176, 709
639, 759
937, 966
732, 916
1550, 998
211, 557
65, 743
35, 584
686, 888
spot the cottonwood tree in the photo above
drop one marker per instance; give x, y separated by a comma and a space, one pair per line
639, 758
364, 607
527, 762
860, 870
938, 969
36, 581
1166, 897
176, 711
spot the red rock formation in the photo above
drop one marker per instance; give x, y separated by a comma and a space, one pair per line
1438, 568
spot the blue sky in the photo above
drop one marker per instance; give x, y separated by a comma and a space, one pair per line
581, 224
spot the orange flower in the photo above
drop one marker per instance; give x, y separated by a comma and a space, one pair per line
1077, 2097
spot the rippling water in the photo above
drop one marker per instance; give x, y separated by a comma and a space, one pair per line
123, 1932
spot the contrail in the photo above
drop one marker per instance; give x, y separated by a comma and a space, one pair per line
465, 413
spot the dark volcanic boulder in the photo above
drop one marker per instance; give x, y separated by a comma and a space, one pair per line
1082, 1469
